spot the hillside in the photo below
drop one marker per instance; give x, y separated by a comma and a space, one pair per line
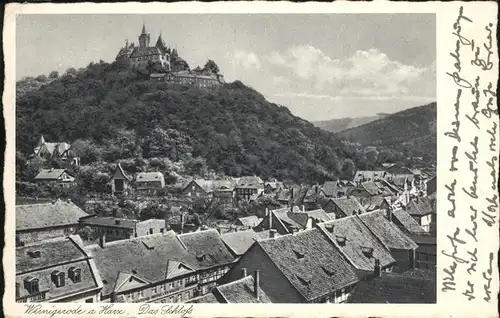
340, 124
110, 112
412, 131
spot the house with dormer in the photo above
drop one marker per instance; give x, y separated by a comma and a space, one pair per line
56, 270
59, 177
304, 267
162, 268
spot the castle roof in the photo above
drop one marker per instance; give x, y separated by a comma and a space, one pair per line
143, 29
145, 51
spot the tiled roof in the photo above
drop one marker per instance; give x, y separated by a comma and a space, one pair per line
302, 217
120, 172
423, 239
330, 188
223, 185
407, 221
239, 242
205, 299
348, 205
352, 236
363, 175
386, 231
285, 219
373, 203
310, 262
250, 221
275, 185
147, 256
52, 253
55, 255
108, 221
49, 174
416, 286
371, 188
422, 206
36, 216
60, 147
240, 292
149, 176
249, 181
208, 248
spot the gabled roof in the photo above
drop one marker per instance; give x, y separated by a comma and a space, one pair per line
302, 217
147, 257
371, 188
239, 242
52, 253
352, 236
109, 221
409, 223
348, 205
208, 248
37, 216
330, 188
50, 174
149, 176
251, 220
421, 206
223, 185
205, 299
375, 202
416, 286
386, 231
365, 175
310, 262
249, 182
59, 255
240, 291
120, 173
283, 216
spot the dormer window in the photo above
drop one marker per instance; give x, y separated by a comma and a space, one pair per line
367, 251
32, 285
201, 257
34, 254
299, 254
328, 271
340, 240
75, 274
58, 278
304, 278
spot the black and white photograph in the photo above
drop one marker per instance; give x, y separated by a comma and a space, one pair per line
226, 158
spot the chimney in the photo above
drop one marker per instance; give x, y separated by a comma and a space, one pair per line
378, 270
102, 240
182, 222
112, 297
303, 208
330, 227
256, 284
243, 272
267, 211
270, 220
413, 259
272, 233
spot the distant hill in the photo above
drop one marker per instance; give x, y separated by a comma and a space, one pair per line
412, 131
336, 125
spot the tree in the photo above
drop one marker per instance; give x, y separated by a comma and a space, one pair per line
71, 70
211, 66
54, 74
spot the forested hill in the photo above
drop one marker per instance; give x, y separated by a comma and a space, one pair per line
412, 131
111, 112
340, 124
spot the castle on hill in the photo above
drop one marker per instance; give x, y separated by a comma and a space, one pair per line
174, 69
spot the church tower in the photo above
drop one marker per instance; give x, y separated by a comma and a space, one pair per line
144, 38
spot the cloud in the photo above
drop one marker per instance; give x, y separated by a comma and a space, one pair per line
246, 60
364, 73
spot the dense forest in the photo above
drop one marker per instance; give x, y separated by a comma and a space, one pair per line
111, 112
340, 124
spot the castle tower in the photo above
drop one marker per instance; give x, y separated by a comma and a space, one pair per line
144, 38
160, 44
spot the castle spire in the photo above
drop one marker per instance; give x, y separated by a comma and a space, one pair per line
143, 28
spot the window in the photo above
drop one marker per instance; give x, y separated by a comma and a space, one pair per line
141, 294
75, 274
89, 300
155, 289
32, 285
58, 278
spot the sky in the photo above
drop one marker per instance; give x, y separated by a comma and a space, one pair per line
320, 66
